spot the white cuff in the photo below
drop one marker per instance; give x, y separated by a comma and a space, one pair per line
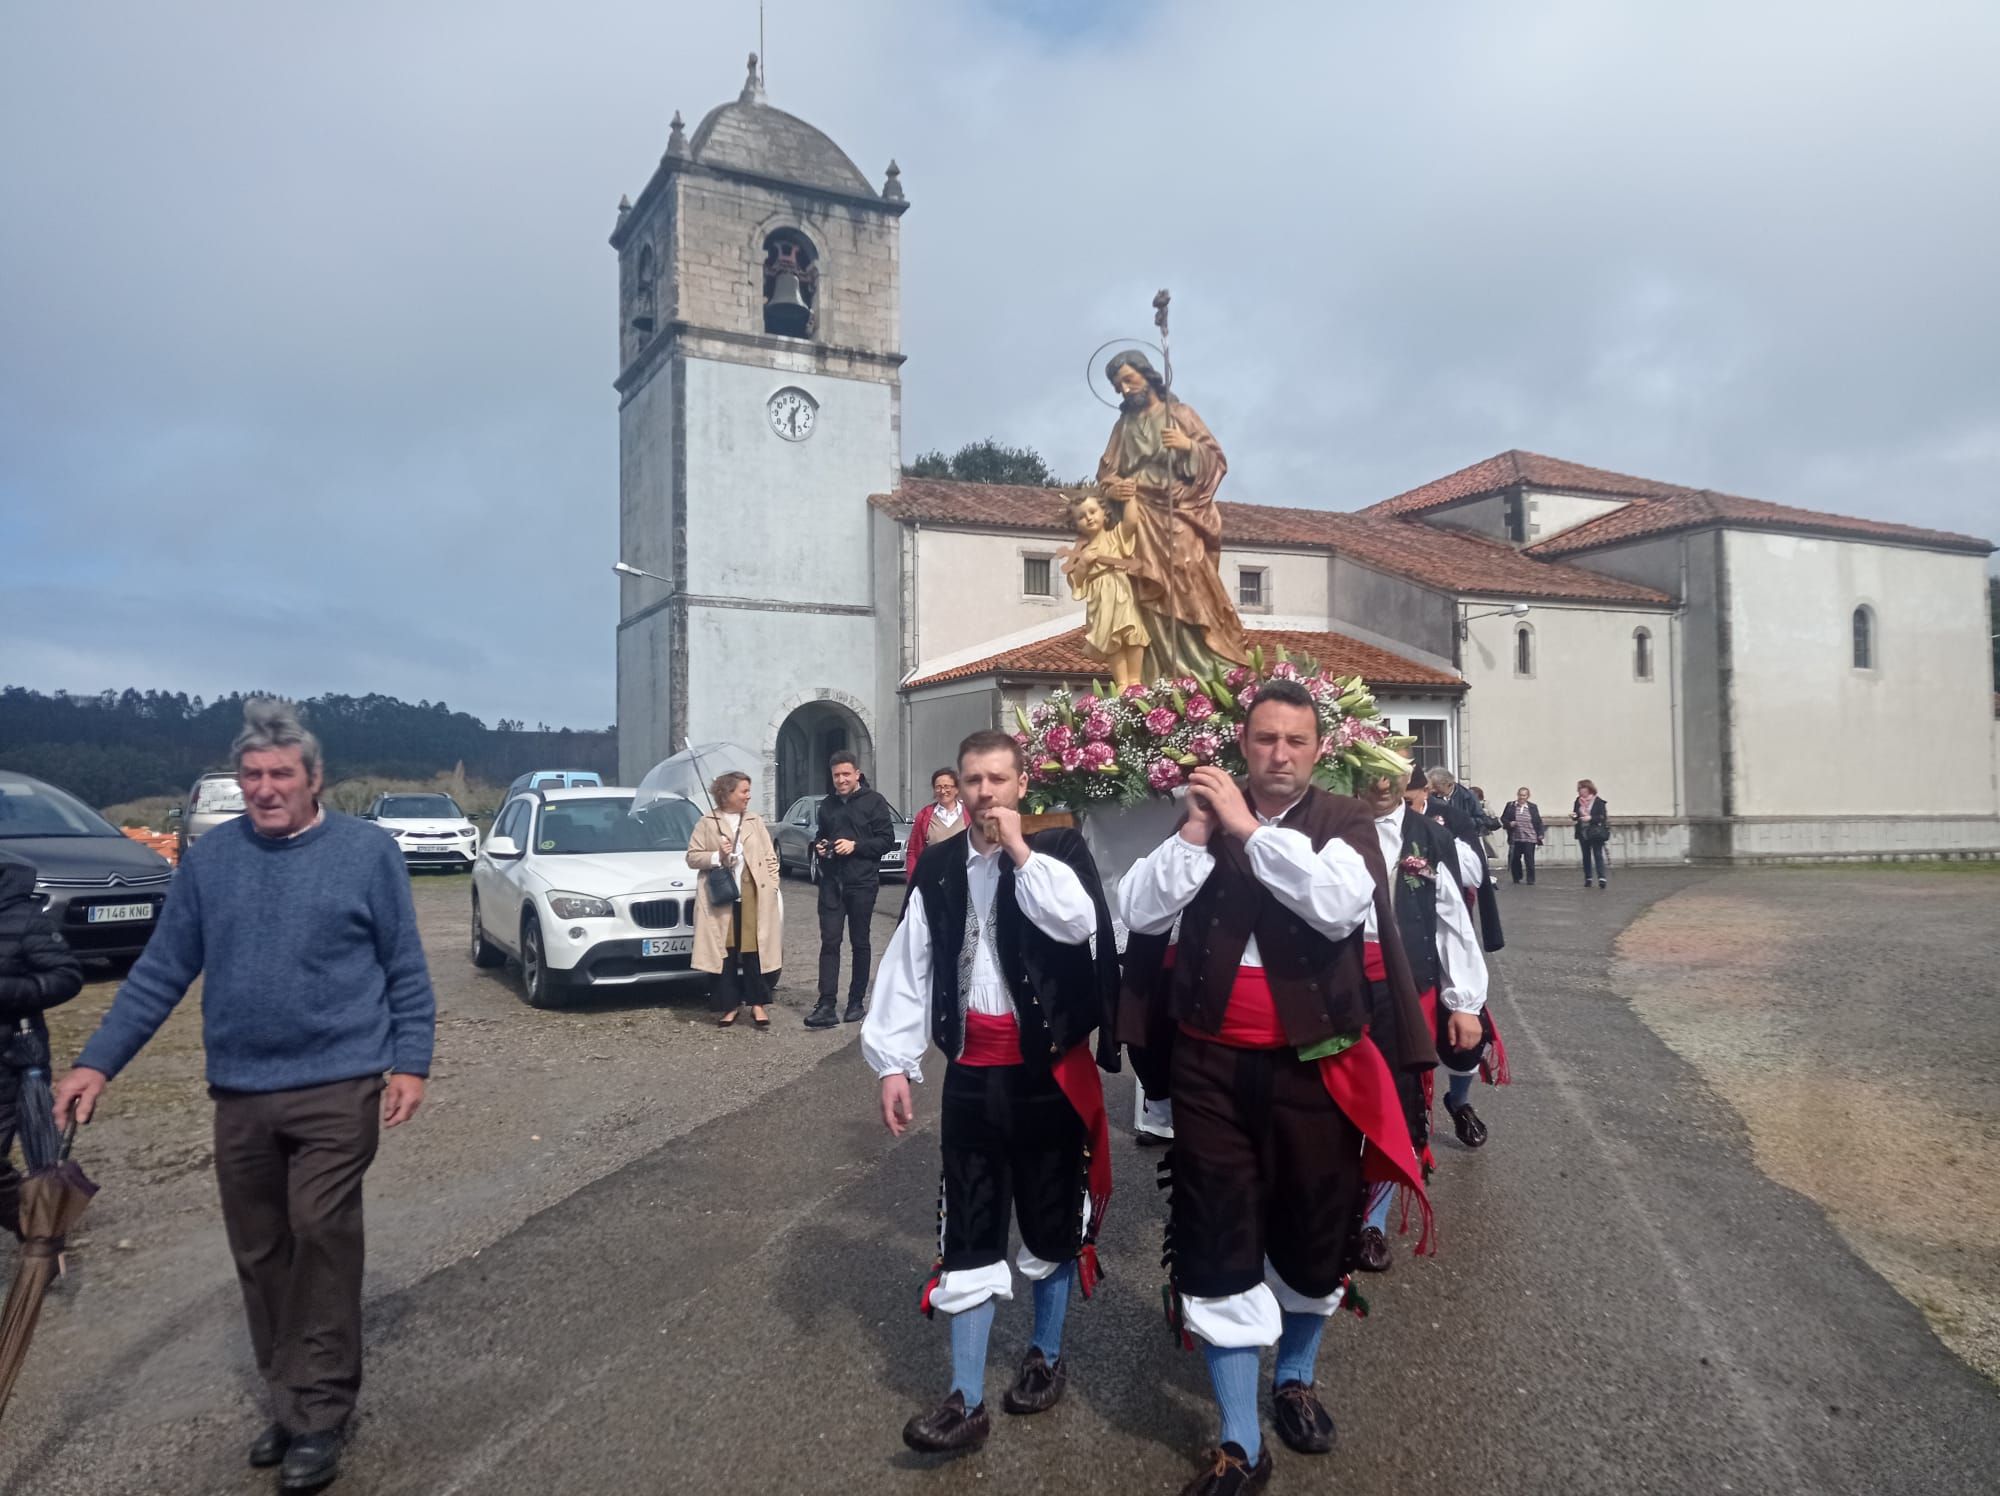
1032, 1267
1293, 1302
970, 1287
1237, 1319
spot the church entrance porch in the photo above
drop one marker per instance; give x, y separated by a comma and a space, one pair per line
806, 739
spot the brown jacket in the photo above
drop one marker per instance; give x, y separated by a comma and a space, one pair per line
1319, 985
760, 863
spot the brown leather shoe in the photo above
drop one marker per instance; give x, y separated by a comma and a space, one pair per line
948, 1427
1302, 1419
1039, 1386
1229, 1472
1371, 1252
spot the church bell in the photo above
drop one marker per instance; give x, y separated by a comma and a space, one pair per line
785, 310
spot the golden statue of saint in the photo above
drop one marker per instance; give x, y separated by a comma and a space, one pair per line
1162, 465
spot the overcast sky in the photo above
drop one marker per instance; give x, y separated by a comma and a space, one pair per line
307, 319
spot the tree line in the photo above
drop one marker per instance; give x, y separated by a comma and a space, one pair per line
126, 745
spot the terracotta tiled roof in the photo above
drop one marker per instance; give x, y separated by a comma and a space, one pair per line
1701, 509
1450, 560
1064, 656
1529, 468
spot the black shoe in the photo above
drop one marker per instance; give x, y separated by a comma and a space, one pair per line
1371, 1254
1039, 1386
855, 1011
1302, 1419
1603, 882
1151, 1139
1531, 883
1465, 1122
1230, 1472
311, 1461
822, 1015
269, 1448
948, 1427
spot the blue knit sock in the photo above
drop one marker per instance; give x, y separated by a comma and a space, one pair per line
1378, 1206
1459, 1091
1233, 1369
1298, 1348
969, 1329
1051, 1304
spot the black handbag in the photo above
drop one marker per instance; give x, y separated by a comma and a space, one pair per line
719, 883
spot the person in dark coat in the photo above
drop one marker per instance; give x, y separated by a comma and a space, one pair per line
37, 972
1592, 818
856, 827
1521, 819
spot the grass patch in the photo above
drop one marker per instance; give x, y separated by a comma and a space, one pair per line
1957, 866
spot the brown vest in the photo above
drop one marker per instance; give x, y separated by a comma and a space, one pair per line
1318, 985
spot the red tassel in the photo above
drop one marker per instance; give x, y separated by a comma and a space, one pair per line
924, 1303
1493, 1068
1087, 1271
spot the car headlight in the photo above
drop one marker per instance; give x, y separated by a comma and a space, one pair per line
579, 906
468, 831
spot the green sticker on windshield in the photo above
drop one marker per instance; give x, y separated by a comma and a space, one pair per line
548, 846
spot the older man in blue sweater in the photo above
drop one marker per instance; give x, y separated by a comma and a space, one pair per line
301, 924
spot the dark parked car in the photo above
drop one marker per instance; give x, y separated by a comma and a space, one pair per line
101, 889
794, 836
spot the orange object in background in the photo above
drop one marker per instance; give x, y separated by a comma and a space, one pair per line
163, 842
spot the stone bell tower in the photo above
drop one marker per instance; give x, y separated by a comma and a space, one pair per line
759, 385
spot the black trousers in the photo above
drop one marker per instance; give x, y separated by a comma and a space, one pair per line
10, 1181
851, 905
1593, 854
1521, 855
289, 1166
742, 979
1012, 1145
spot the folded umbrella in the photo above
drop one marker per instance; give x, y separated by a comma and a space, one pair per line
53, 1198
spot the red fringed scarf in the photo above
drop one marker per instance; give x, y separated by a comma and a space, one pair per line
1361, 1085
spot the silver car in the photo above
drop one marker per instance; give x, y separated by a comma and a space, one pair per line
101, 889
213, 799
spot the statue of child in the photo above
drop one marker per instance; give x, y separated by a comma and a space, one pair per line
1098, 568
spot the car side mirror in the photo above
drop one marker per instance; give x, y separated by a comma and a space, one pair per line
502, 848
367, 815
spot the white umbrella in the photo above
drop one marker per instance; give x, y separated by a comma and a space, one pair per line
689, 772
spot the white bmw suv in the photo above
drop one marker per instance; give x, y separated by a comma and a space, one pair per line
585, 894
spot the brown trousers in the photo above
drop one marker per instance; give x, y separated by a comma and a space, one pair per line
289, 1165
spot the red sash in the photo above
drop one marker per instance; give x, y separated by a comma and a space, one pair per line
991, 1040
1076, 1073
1359, 1081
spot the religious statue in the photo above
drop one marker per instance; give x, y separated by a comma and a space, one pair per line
1099, 569
1162, 466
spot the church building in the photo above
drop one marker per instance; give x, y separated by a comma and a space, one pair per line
1742, 680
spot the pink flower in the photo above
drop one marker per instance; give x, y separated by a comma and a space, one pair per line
1204, 746
1161, 720
1199, 708
1058, 739
1187, 683
1236, 731
1238, 678
1039, 717
1098, 725
1415, 867
1329, 745
1284, 670
1021, 738
1163, 774
1085, 702
1245, 696
1133, 692
1097, 755
1072, 759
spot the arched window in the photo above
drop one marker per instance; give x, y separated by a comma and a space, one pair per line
1864, 638
1524, 650
791, 283
1642, 654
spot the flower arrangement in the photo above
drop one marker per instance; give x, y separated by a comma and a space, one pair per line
1102, 748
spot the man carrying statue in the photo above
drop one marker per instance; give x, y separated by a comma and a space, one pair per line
1163, 465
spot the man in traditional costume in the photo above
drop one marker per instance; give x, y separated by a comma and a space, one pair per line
1164, 465
1426, 874
1285, 1105
1005, 958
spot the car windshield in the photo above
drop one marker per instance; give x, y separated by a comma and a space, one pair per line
215, 796
418, 808
43, 810
609, 825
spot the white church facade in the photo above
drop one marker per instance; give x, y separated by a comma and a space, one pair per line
1742, 680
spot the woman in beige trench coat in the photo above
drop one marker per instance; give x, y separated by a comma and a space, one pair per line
742, 944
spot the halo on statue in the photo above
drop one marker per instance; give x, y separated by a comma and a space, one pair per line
1092, 372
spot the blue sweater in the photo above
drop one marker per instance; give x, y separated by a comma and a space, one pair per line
313, 970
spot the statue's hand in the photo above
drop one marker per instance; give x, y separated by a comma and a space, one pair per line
1123, 489
1175, 439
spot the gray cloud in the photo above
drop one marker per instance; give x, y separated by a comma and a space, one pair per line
309, 316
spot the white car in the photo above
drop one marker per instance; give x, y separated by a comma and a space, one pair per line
431, 830
584, 894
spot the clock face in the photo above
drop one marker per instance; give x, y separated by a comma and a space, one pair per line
793, 414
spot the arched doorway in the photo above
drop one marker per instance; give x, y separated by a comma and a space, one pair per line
807, 738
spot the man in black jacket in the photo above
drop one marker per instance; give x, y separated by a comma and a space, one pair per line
37, 971
856, 828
